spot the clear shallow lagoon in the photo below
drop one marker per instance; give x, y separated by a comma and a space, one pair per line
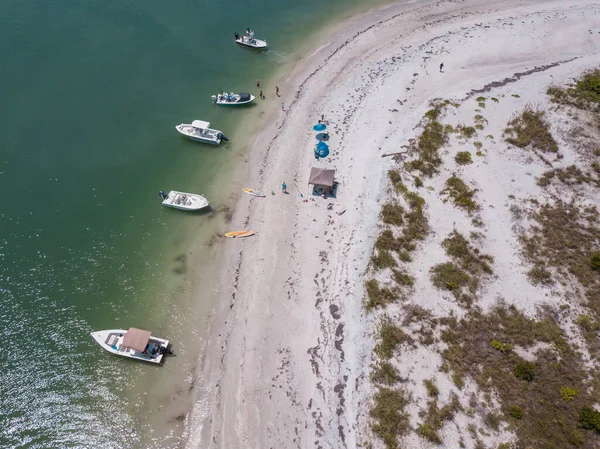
90, 93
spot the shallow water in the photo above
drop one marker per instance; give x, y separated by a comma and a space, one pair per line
90, 93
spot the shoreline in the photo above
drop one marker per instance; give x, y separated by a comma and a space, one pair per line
289, 349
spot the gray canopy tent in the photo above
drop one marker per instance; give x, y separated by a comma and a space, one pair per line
136, 339
323, 181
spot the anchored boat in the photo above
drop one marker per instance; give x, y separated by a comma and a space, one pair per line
231, 99
249, 40
200, 131
134, 343
184, 201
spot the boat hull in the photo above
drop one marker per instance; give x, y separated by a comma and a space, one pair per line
182, 129
185, 201
104, 338
256, 44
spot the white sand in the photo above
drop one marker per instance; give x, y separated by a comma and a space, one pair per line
288, 358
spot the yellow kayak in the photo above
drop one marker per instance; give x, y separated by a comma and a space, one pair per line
253, 192
239, 234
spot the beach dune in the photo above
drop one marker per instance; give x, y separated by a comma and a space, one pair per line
287, 363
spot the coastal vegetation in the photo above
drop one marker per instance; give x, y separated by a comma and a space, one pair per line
530, 129
463, 158
428, 144
461, 195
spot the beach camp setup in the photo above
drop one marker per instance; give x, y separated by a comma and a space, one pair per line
323, 182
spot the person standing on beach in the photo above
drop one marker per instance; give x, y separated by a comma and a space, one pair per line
260, 94
282, 107
441, 67
257, 83
284, 187
277, 90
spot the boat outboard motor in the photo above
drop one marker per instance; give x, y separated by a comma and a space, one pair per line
163, 195
167, 351
222, 137
214, 98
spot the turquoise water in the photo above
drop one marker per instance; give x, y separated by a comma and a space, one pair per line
90, 93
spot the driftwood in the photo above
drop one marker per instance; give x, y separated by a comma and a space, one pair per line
395, 154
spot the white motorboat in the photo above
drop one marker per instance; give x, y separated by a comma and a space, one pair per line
133, 343
249, 40
184, 201
231, 99
200, 131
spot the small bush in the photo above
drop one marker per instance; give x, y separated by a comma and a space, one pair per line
463, 158
403, 278
568, 393
531, 129
390, 420
539, 275
383, 260
499, 346
391, 213
595, 262
377, 296
494, 99
390, 337
515, 412
466, 131
525, 371
429, 433
478, 145
418, 182
589, 418
432, 389
385, 373
461, 195
449, 277
480, 99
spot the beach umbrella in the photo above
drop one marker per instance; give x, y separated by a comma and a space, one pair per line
319, 127
322, 149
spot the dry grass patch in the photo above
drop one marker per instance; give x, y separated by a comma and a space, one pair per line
391, 213
385, 373
390, 338
389, 420
530, 129
378, 296
436, 417
541, 403
570, 176
461, 195
461, 276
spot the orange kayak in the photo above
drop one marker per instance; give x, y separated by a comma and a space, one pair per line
239, 234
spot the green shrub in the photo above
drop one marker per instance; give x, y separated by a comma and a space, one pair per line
568, 393
390, 337
480, 99
377, 296
531, 129
390, 420
418, 182
391, 213
448, 276
595, 262
525, 371
385, 373
383, 260
499, 346
432, 389
463, 158
394, 176
461, 195
589, 418
428, 432
515, 412
403, 278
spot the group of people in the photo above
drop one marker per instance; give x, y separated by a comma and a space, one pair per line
262, 96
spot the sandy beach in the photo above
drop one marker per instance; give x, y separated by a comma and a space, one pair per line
291, 347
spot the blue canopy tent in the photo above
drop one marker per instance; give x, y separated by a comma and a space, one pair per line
319, 127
